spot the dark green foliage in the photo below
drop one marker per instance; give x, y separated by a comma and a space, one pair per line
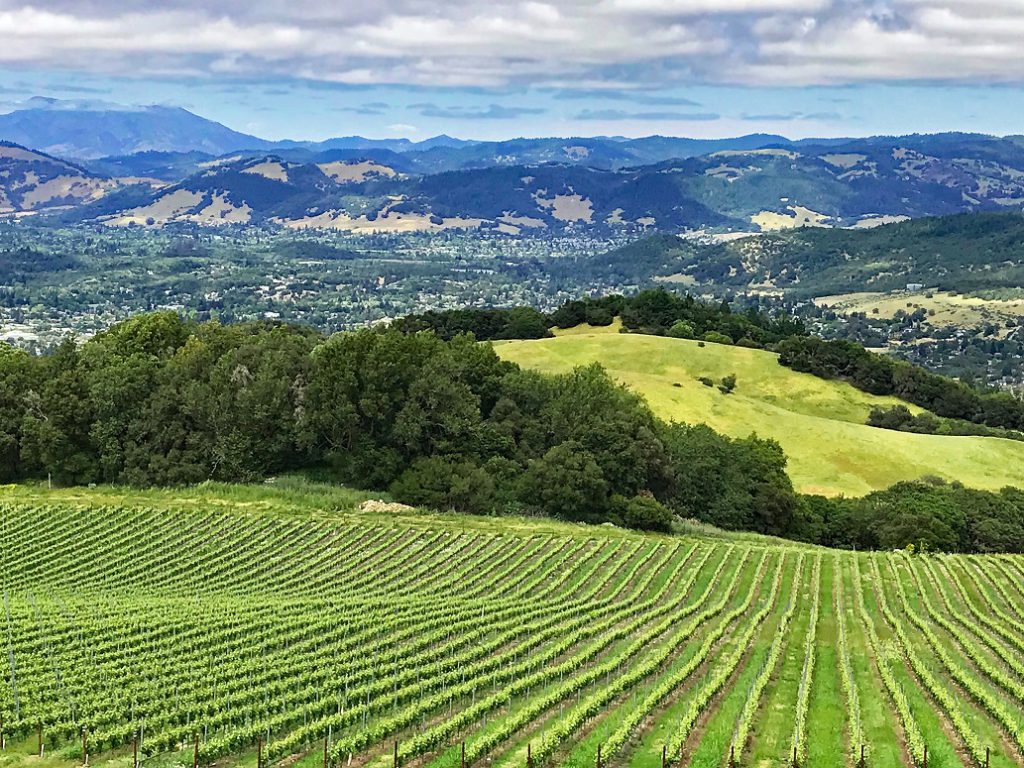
734, 484
446, 483
659, 311
567, 482
727, 384
646, 513
444, 424
484, 324
600, 311
928, 514
882, 375
900, 418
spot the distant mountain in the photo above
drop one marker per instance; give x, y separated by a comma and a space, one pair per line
363, 195
89, 130
443, 153
576, 184
361, 143
31, 181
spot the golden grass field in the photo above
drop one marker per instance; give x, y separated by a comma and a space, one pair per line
820, 424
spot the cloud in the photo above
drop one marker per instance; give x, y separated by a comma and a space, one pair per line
790, 116
620, 114
373, 108
637, 97
640, 46
492, 112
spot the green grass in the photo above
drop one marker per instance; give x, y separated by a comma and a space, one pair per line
820, 424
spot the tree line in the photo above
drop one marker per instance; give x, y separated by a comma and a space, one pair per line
438, 422
882, 375
655, 311
159, 400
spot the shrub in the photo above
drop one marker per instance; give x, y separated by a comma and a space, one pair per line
681, 330
445, 483
598, 315
647, 514
717, 338
728, 384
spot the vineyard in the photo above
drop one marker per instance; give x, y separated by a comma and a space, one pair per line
178, 637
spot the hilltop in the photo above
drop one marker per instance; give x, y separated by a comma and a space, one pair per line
819, 424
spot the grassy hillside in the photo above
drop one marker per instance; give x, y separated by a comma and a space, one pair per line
820, 424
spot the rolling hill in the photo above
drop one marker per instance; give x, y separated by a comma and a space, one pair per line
980, 251
32, 181
820, 424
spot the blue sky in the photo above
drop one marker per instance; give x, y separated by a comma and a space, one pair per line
489, 70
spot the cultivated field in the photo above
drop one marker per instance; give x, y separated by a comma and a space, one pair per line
229, 636
820, 424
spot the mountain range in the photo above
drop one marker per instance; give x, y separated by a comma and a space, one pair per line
753, 183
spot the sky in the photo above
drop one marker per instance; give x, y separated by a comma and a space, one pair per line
480, 69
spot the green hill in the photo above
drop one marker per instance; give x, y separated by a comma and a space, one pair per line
820, 424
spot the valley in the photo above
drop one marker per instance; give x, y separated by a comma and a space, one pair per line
533, 384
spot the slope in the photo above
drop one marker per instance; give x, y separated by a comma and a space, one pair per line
820, 424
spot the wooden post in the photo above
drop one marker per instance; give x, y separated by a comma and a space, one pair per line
195, 753
85, 747
925, 756
988, 756
396, 753
259, 751
463, 761
529, 755
39, 737
135, 751
732, 756
325, 752
862, 763
598, 756
795, 763
664, 756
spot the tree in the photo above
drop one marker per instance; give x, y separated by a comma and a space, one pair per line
567, 483
445, 483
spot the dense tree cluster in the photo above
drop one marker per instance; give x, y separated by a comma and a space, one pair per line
659, 312
447, 424
484, 324
881, 375
928, 514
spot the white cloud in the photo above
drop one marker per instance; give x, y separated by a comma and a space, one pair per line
543, 43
